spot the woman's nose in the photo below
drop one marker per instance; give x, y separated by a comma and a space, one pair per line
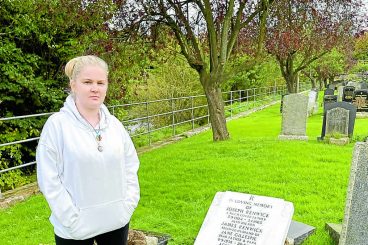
94, 88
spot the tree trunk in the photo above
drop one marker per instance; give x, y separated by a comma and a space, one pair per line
325, 82
291, 81
287, 70
313, 82
216, 107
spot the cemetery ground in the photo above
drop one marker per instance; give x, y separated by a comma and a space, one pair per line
178, 181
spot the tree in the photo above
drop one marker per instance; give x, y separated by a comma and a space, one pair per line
326, 68
36, 39
361, 46
206, 32
300, 32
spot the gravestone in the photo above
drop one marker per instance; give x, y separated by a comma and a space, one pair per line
316, 101
352, 115
331, 86
353, 84
354, 230
348, 93
328, 91
363, 85
312, 102
294, 117
340, 92
239, 218
337, 121
360, 100
337, 126
327, 99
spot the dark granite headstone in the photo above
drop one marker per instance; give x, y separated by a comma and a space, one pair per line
352, 116
327, 99
329, 91
360, 100
348, 93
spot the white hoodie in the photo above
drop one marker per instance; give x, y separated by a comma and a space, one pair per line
89, 192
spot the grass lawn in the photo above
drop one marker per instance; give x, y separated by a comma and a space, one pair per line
179, 181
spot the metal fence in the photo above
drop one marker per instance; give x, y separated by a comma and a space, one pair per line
144, 119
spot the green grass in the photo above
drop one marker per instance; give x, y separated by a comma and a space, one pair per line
179, 181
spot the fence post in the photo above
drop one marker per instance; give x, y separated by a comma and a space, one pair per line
173, 115
192, 103
254, 97
1, 195
148, 124
247, 99
231, 104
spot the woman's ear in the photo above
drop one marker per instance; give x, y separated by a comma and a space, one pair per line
72, 85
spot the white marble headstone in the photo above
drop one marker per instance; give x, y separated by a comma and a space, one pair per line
243, 219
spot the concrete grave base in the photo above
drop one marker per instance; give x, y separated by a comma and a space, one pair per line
341, 141
334, 230
362, 115
298, 232
293, 137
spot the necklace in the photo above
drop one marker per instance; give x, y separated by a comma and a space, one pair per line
98, 136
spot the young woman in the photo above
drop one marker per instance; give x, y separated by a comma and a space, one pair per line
87, 164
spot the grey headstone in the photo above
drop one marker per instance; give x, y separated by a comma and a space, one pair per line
312, 98
363, 85
354, 84
352, 116
294, 117
337, 121
355, 225
340, 91
360, 100
331, 86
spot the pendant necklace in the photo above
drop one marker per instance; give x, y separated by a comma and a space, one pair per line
98, 137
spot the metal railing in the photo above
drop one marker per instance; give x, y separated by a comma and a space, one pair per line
146, 118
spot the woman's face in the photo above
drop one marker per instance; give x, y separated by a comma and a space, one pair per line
90, 87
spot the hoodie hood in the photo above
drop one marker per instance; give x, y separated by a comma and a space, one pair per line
71, 109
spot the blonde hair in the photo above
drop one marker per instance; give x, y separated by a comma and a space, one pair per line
75, 65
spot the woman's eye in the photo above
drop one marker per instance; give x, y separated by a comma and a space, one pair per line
87, 82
